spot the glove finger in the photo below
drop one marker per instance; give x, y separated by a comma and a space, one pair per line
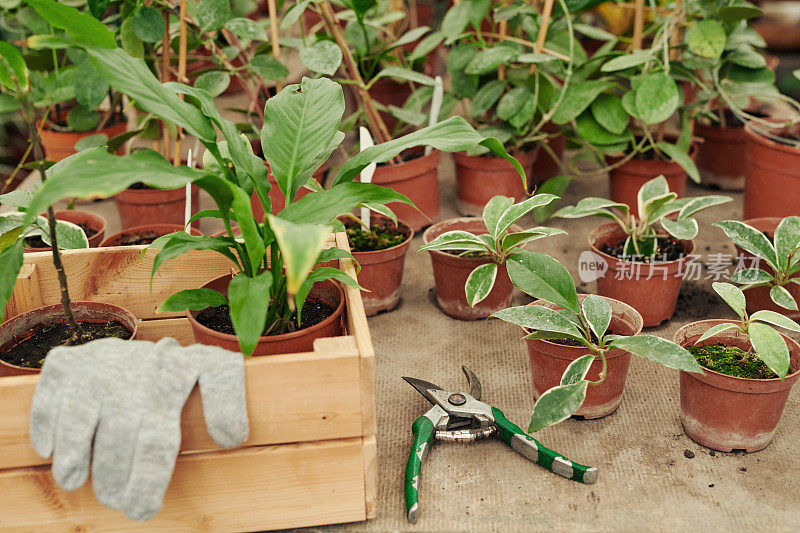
224, 398
153, 462
76, 427
112, 458
44, 411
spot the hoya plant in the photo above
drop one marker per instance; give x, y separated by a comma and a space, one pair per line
767, 343
69, 236
274, 258
499, 244
781, 254
586, 321
655, 204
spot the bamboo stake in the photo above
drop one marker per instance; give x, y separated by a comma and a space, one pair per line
638, 24
529, 44
503, 31
176, 153
540, 39
165, 52
273, 31
675, 39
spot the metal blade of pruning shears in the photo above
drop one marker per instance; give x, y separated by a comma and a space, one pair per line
423, 387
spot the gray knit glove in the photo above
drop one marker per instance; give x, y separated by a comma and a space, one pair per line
126, 397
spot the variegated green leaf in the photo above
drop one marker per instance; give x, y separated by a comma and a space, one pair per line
480, 282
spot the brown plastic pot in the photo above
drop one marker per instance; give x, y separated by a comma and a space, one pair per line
479, 178
150, 230
626, 180
382, 270
388, 92
155, 206
544, 166
450, 273
728, 413
650, 289
771, 168
549, 360
418, 179
758, 297
295, 342
90, 220
722, 159
60, 144
21, 325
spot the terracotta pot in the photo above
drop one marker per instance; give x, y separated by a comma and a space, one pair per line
549, 360
60, 144
771, 168
758, 297
277, 199
651, 290
382, 270
295, 342
721, 159
388, 92
90, 220
150, 230
728, 413
479, 178
626, 180
419, 180
544, 166
450, 273
21, 325
155, 206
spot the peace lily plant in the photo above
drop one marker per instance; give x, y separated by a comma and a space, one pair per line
781, 254
499, 244
586, 322
655, 204
274, 258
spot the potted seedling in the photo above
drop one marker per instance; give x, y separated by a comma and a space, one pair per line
644, 257
750, 369
722, 50
773, 284
509, 87
26, 338
469, 255
579, 345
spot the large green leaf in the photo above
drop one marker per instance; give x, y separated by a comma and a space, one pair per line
299, 124
15, 61
577, 369
577, 97
657, 97
489, 59
213, 14
659, 351
149, 25
541, 276
749, 239
322, 56
623, 61
178, 243
194, 299
597, 312
493, 210
514, 212
589, 129
706, 38
539, 318
300, 245
592, 207
79, 25
732, 295
776, 319
405, 74
268, 67
452, 135
214, 82
248, 298
95, 173
457, 240
781, 296
682, 158
557, 404
90, 87
770, 347
10, 263
480, 282
607, 110
787, 240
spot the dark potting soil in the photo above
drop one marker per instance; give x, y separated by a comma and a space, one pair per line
37, 242
574, 342
142, 238
731, 361
29, 350
667, 249
139, 186
464, 253
379, 237
219, 318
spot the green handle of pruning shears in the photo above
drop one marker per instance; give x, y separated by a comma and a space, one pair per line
531, 449
423, 435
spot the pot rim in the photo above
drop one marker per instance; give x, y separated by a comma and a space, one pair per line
119, 310
99, 229
733, 379
407, 170
593, 236
617, 352
491, 157
769, 143
764, 224
396, 247
144, 227
337, 313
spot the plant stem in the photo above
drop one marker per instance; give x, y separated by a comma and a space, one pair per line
36, 142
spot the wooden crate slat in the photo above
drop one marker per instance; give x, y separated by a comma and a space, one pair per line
290, 398
250, 489
156, 329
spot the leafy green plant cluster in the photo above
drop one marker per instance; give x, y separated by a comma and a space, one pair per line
585, 320
766, 342
655, 205
781, 253
499, 244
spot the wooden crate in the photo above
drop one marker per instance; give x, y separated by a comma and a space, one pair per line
311, 455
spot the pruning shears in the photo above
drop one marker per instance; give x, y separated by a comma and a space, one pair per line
462, 417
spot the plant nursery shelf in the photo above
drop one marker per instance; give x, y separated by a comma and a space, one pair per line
311, 455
